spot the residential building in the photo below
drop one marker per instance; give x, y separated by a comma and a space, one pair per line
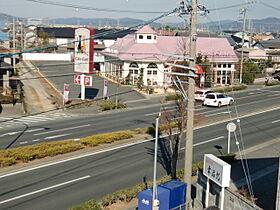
148, 52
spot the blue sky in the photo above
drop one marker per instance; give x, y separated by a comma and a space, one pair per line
24, 8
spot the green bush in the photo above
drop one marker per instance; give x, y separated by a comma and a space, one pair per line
89, 205
171, 97
229, 158
6, 161
106, 138
36, 151
273, 83
196, 166
109, 105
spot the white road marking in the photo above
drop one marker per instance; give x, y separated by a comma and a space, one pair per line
275, 121
126, 145
9, 134
34, 130
217, 114
57, 136
44, 189
23, 142
63, 129
35, 140
207, 141
150, 114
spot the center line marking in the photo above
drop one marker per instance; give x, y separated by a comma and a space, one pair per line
53, 137
63, 129
205, 142
275, 121
44, 189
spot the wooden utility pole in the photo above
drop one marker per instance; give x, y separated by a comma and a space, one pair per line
242, 47
190, 108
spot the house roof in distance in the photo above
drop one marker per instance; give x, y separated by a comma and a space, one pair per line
126, 48
69, 32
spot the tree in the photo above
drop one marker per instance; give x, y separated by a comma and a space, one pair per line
44, 41
174, 130
140, 81
250, 70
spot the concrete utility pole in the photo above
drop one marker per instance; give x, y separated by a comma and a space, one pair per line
244, 10
190, 107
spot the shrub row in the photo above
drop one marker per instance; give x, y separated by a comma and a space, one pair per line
28, 153
229, 89
109, 105
37, 151
273, 83
128, 194
106, 138
171, 97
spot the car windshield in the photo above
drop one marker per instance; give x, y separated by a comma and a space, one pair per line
210, 96
198, 92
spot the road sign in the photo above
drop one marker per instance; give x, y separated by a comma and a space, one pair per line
77, 79
88, 80
66, 93
231, 127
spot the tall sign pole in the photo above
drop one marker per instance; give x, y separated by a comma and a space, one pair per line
190, 107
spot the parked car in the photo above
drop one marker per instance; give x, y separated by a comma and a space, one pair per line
217, 99
200, 95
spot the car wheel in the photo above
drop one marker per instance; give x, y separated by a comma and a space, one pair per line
219, 104
230, 102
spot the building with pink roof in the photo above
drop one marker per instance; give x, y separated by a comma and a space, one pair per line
149, 52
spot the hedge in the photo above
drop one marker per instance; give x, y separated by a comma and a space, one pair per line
106, 138
273, 83
229, 89
109, 105
127, 195
28, 153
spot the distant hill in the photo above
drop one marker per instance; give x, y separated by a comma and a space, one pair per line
271, 24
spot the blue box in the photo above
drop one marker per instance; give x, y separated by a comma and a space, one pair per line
145, 199
177, 192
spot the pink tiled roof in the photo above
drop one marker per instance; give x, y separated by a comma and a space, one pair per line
146, 30
126, 48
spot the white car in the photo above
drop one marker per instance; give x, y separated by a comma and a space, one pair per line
200, 95
217, 99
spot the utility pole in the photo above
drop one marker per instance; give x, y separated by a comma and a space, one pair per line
244, 10
190, 108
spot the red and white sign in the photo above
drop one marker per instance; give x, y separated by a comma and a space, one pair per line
88, 80
77, 79
84, 51
66, 93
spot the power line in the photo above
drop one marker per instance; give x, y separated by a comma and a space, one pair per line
93, 8
270, 6
93, 37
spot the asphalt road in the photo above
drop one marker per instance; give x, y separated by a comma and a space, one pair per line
73, 125
68, 183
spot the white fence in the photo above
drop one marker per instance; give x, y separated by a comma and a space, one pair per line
46, 57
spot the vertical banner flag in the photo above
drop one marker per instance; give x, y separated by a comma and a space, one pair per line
66, 93
105, 89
